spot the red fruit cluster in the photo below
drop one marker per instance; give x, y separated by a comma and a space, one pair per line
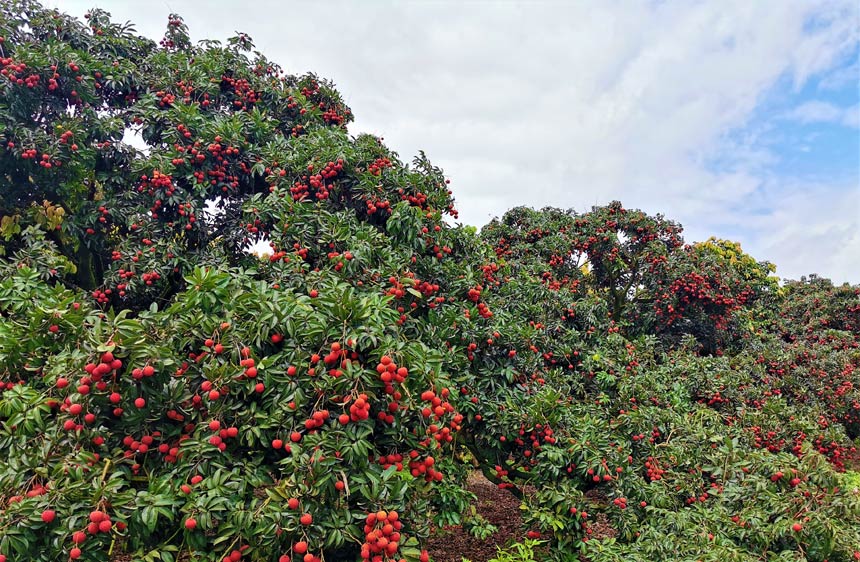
108, 367
334, 355
316, 420
419, 199
144, 372
104, 212
374, 204
378, 165
160, 185
532, 439
474, 293
390, 374
250, 366
241, 90
16, 73
169, 450
141, 446
317, 185
708, 294
331, 116
150, 278
35, 491
300, 547
424, 467
439, 407
399, 287
101, 297
653, 470
359, 410
392, 459
165, 99
213, 393
26, 154
601, 474
484, 310
221, 435
99, 523
381, 537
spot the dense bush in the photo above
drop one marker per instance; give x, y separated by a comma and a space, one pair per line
198, 399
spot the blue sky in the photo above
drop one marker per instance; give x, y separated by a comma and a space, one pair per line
736, 118
811, 129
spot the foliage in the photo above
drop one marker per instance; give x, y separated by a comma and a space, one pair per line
478, 526
517, 552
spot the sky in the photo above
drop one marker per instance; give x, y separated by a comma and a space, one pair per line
737, 119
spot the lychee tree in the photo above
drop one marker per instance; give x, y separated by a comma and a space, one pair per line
165, 392
662, 424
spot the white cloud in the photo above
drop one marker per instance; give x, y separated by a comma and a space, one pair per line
823, 112
817, 225
562, 103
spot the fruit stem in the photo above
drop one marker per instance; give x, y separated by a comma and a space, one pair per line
104, 472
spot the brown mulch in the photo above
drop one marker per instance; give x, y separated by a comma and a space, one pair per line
502, 509
600, 527
499, 507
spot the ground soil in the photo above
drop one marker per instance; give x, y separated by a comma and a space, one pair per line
502, 509
499, 507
